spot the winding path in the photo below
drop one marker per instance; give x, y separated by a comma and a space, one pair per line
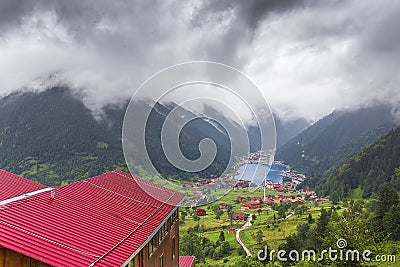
245, 226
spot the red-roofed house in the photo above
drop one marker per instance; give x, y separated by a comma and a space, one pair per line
107, 220
240, 199
187, 261
201, 212
238, 216
267, 200
255, 205
244, 206
223, 206
251, 206
231, 230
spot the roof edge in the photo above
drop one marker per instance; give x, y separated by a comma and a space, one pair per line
151, 236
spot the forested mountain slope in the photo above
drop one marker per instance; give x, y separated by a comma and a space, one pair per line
334, 138
51, 137
369, 169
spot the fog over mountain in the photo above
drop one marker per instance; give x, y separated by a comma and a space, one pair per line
308, 57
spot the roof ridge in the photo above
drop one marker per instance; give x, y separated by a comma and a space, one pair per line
149, 183
125, 196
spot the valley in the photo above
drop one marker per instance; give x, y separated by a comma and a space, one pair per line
50, 137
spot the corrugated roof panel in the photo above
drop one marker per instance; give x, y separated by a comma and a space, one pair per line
12, 185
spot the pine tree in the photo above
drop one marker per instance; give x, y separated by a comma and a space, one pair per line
222, 236
259, 236
310, 218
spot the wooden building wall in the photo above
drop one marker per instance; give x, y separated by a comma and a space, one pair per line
9, 258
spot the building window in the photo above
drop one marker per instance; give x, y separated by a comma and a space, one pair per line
175, 216
141, 259
173, 248
155, 240
160, 237
165, 228
162, 260
151, 247
162, 233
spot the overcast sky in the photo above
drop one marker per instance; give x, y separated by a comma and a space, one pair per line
307, 57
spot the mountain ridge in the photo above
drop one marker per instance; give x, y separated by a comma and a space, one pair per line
336, 137
53, 138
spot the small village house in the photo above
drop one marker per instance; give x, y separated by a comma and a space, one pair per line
238, 216
200, 212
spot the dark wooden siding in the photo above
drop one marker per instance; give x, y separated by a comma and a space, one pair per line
9, 258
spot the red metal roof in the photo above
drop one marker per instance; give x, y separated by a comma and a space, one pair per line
186, 261
100, 221
12, 185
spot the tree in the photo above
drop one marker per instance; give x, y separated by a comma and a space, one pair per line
310, 219
259, 236
395, 180
357, 233
229, 209
334, 197
289, 245
222, 236
183, 217
225, 248
246, 262
322, 224
391, 223
388, 198
210, 251
303, 234
241, 251
190, 244
282, 211
196, 217
259, 212
205, 242
217, 211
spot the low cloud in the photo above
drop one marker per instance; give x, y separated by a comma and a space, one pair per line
308, 57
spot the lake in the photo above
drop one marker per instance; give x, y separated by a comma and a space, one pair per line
256, 173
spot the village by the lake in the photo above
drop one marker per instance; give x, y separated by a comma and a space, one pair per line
250, 214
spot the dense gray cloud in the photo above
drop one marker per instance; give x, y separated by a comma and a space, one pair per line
308, 57
325, 57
